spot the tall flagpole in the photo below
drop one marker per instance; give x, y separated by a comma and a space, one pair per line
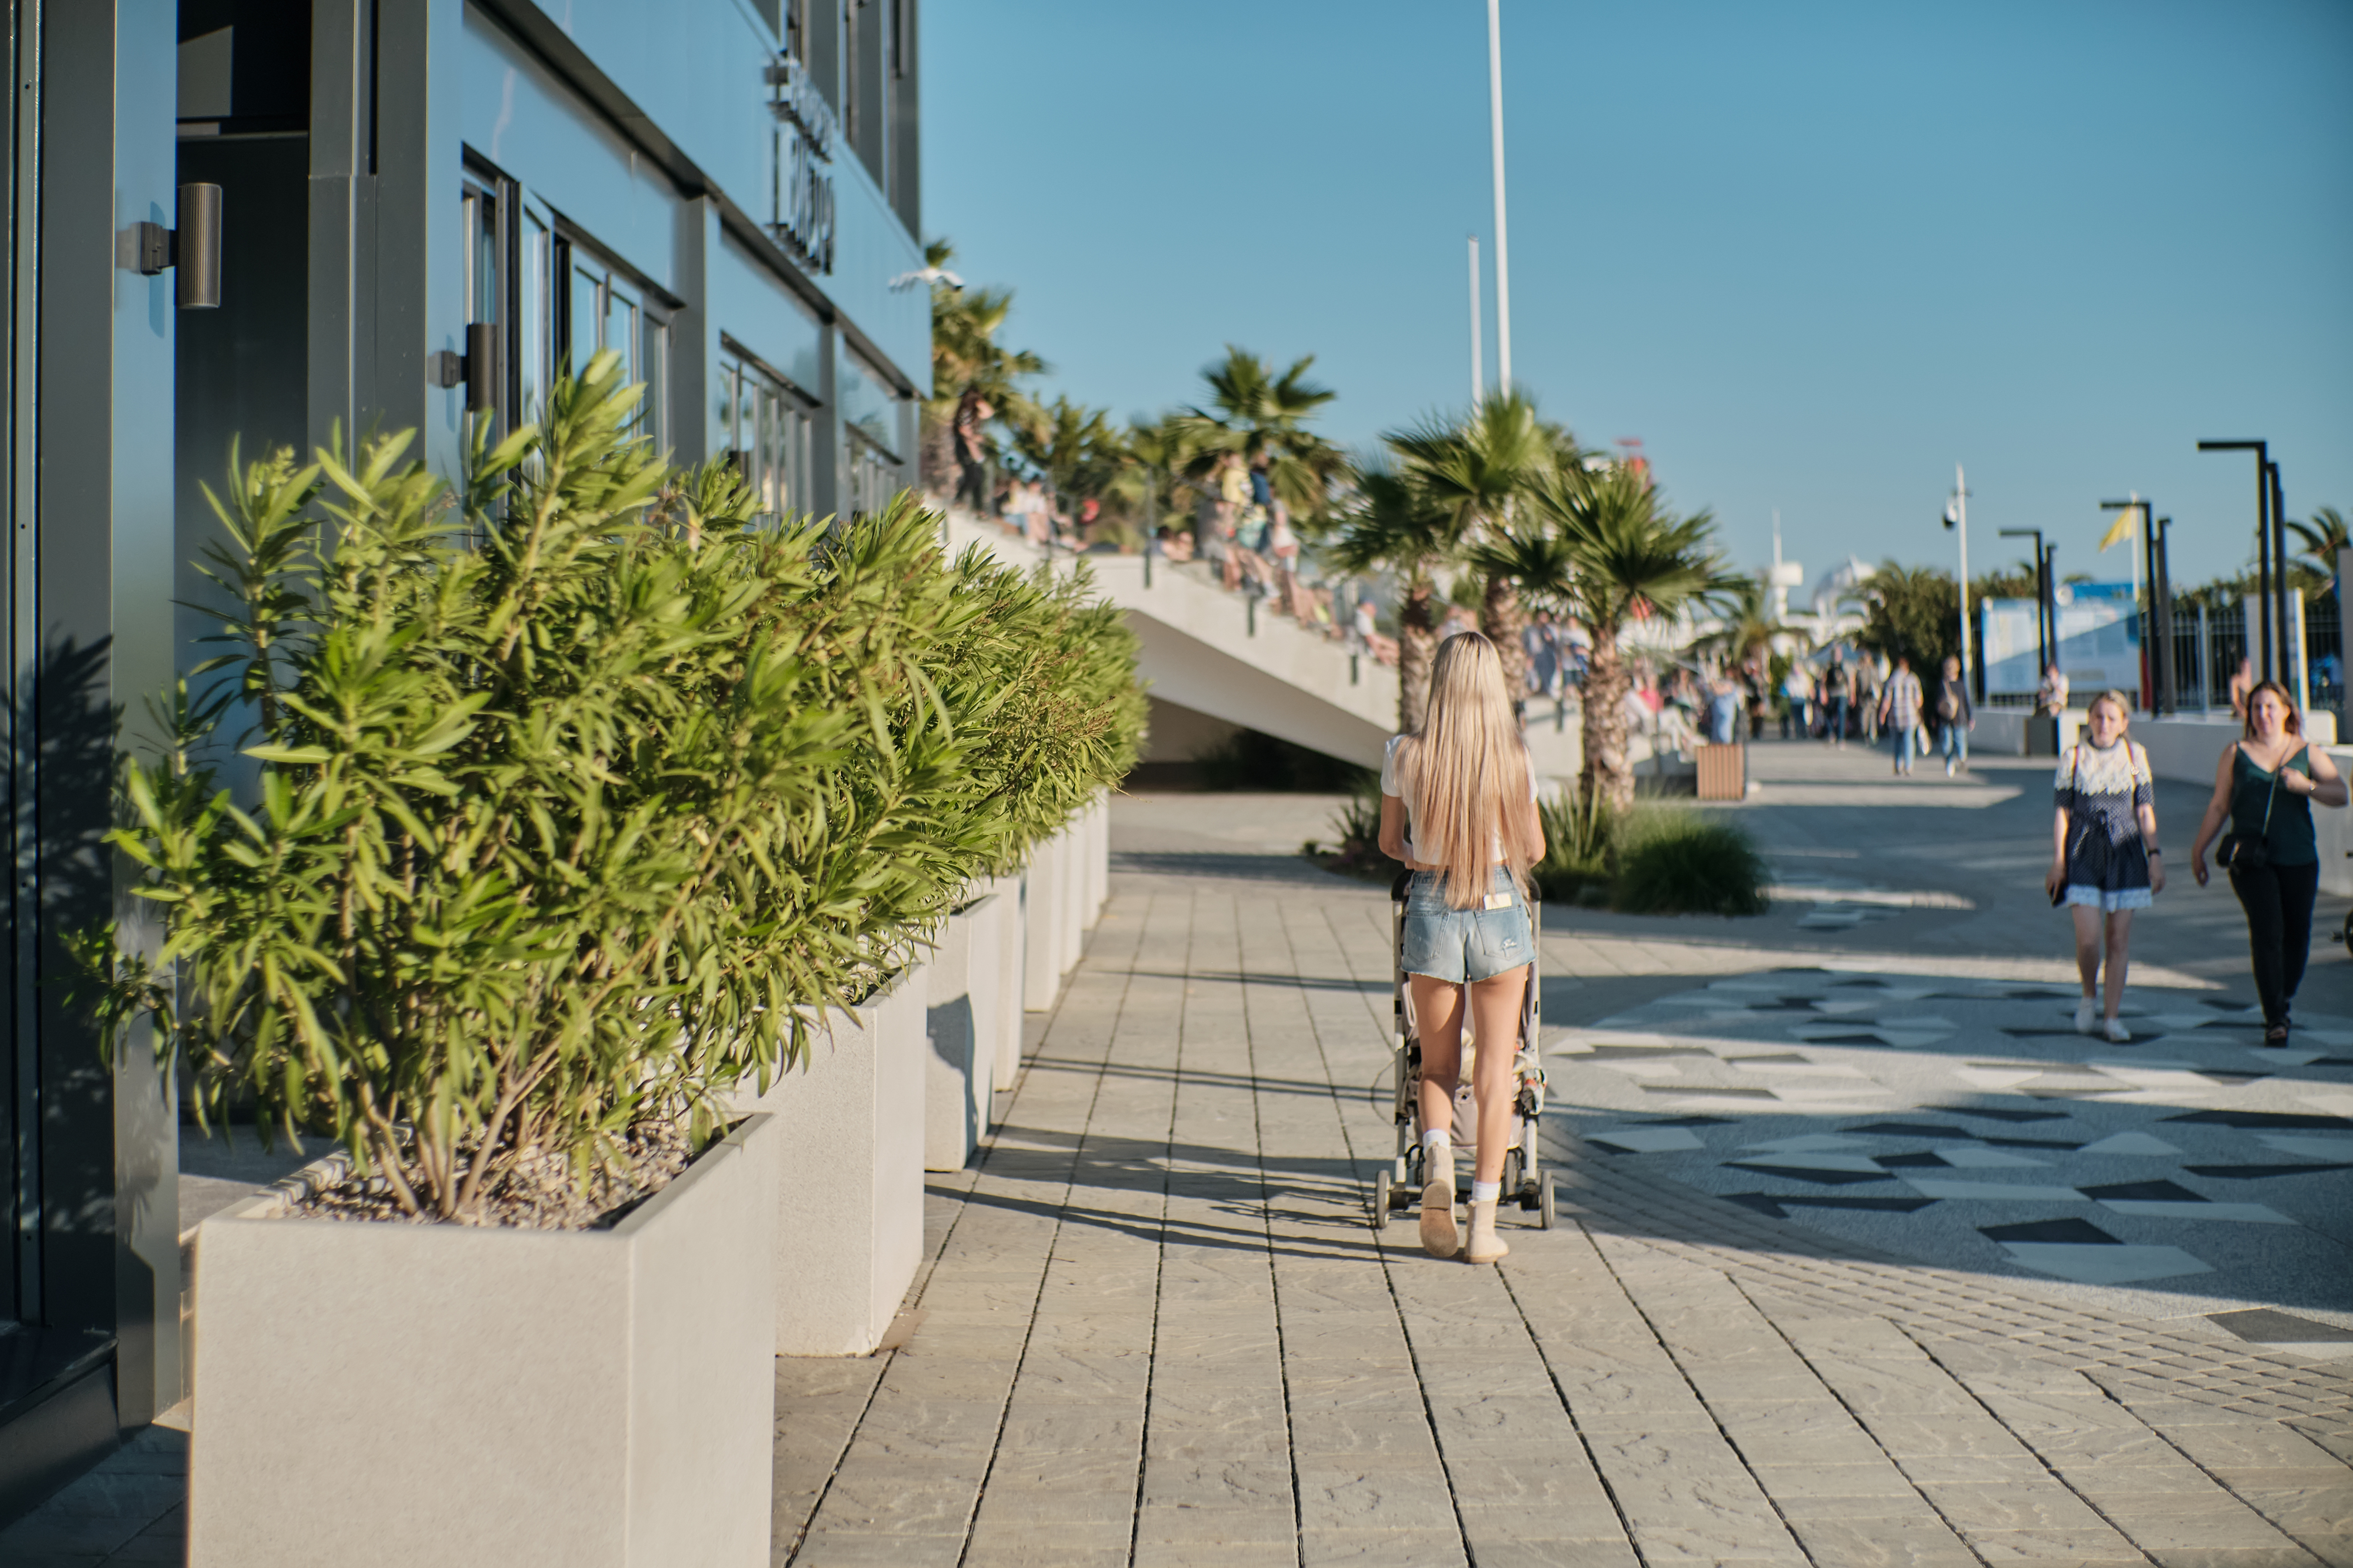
1502, 241
1478, 376
1961, 506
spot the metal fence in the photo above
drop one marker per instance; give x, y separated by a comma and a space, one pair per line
2209, 644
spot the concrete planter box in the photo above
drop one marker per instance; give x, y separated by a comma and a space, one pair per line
492, 1397
1098, 862
1043, 888
964, 1013
849, 1191
1012, 971
1076, 916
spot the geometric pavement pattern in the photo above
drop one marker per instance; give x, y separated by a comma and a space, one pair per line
1964, 1122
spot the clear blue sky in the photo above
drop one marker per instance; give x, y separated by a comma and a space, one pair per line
1811, 252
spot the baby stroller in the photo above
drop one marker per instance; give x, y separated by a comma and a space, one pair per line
1399, 1184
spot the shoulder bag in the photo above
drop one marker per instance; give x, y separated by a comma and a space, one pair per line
2074, 766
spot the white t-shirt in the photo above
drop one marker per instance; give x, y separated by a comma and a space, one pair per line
1393, 782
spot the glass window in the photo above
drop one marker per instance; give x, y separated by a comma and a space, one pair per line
610, 310
532, 337
765, 428
868, 476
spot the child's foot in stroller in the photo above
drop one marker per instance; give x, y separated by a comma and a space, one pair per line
1486, 1246
1440, 1237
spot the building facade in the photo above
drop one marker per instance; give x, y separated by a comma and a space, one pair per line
425, 208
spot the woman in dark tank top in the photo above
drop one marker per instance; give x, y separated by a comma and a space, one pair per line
2265, 785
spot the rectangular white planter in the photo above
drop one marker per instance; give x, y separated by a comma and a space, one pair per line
850, 1190
1076, 917
1098, 862
961, 1020
1011, 950
1042, 914
478, 1397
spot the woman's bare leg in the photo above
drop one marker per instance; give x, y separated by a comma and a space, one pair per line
2088, 947
1438, 1011
1495, 1015
2119, 945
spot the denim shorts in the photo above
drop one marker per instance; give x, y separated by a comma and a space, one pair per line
1461, 945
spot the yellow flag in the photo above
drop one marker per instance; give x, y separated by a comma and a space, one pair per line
2122, 529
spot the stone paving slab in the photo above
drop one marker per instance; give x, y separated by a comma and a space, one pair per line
1158, 1328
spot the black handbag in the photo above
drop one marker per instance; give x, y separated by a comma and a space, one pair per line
2250, 852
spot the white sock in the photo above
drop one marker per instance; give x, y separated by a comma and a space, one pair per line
1486, 1192
1437, 1152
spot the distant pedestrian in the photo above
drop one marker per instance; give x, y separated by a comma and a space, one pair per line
1955, 717
973, 412
1797, 692
1899, 712
2265, 785
2051, 697
2242, 683
1724, 714
2104, 861
1838, 689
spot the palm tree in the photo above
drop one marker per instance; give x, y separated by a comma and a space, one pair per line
1632, 556
967, 357
1748, 621
1077, 449
2322, 538
1479, 469
1258, 411
1398, 527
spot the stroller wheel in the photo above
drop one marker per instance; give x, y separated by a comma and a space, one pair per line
1381, 1200
1547, 1206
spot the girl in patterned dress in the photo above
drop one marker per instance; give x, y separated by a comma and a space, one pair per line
2104, 859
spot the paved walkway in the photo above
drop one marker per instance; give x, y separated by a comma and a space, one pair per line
1157, 1328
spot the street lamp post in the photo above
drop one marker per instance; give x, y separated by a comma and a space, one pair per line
2293, 681
2263, 485
2043, 628
1502, 241
1956, 517
2159, 643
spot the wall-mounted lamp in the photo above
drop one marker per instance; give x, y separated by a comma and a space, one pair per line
476, 370
193, 248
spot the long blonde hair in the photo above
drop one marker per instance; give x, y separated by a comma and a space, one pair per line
1468, 771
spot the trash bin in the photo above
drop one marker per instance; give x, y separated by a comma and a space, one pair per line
1723, 772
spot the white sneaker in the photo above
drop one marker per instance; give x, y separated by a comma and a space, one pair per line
2087, 1015
2116, 1032
1948, 767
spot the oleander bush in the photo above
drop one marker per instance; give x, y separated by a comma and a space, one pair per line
580, 796
1581, 834
1675, 861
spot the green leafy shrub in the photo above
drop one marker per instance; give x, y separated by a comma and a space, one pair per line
1357, 827
1580, 833
1687, 862
579, 796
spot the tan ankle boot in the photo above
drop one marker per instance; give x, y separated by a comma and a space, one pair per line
1486, 1246
1440, 1237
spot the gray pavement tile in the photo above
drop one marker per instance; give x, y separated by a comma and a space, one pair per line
2212, 1519
1968, 1432
1877, 1477
2230, 1557
1372, 1491
1867, 1542
1405, 1431
1039, 1425
1163, 1527
1090, 1375
1022, 1549
1893, 1386
1505, 1550
1427, 1548
2070, 1548
875, 1494
2241, 1444
842, 1550
904, 1428
1218, 1483
1978, 1506
2305, 1500
2335, 1551
1522, 1418
1095, 1499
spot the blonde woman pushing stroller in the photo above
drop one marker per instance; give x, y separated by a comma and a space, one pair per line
1459, 809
